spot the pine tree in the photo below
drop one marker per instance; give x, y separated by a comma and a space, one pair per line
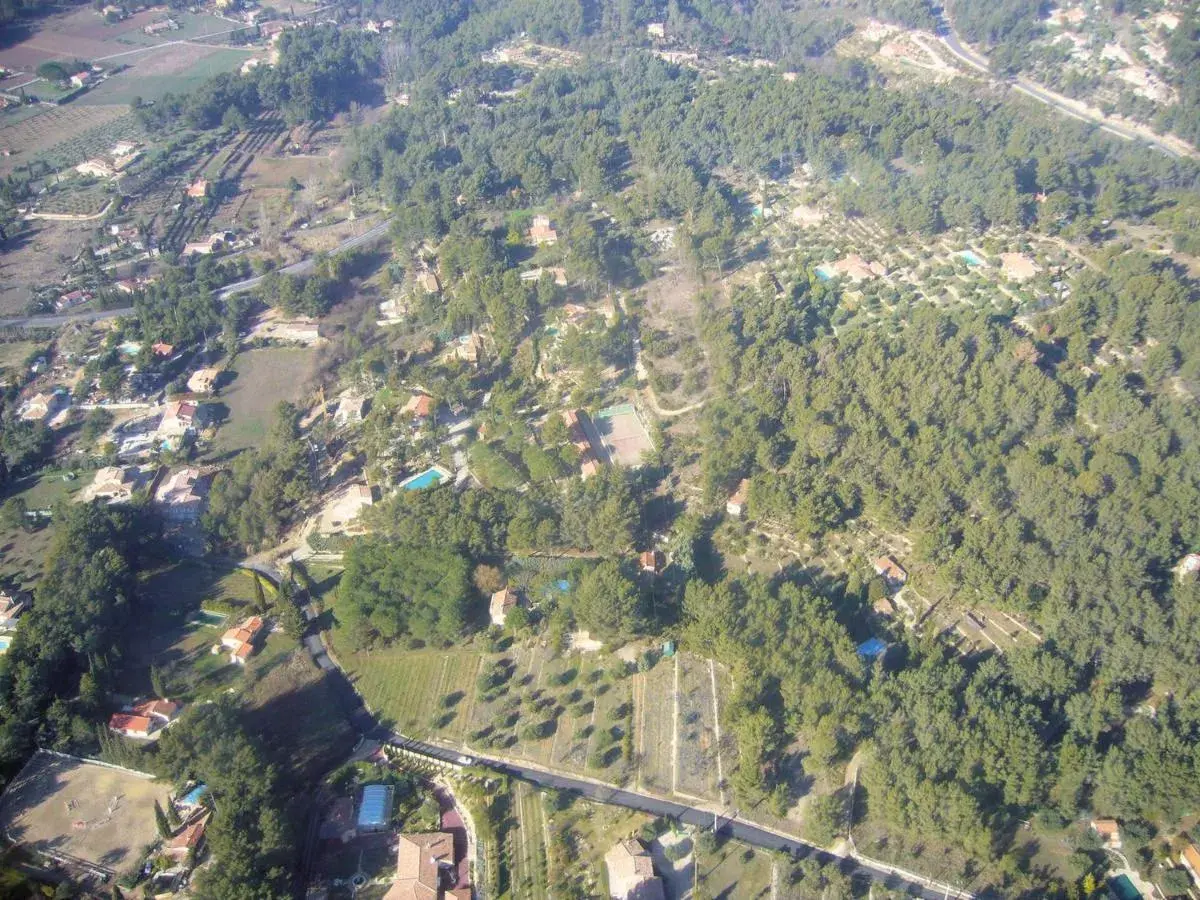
260, 599
160, 820
158, 683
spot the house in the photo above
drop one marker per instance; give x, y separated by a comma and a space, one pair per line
81, 79
651, 562
736, 504
158, 711
198, 189
115, 484
657, 30
631, 872
542, 232
502, 602
558, 273
161, 26
589, 466
428, 282
12, 605
467, 348
96, 168
42, 407
350, 410
131, 726
161, 350
74, 298
853, 267
425, 869
884, 607
179, 419
1018, 266
1108, 831
1190, 859
188, 842
240, 640
203, 381
1188, 566
181, 496
123, 148
196, 248
420, 406
893, 573
341, 514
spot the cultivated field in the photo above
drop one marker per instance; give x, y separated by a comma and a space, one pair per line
82, 811
65, 136
261, 380
178, 69
654, 731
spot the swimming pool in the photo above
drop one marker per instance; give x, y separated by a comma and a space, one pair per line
5, 640
428, 478
970, 257
1124, 889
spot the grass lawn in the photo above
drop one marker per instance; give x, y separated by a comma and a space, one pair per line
735, 870
527, 845
262, 379
14, 353
22, 552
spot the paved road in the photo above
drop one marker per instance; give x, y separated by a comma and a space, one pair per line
733, 827
370, 236
1032, 89
91, 315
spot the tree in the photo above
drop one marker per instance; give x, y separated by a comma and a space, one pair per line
160, 821
607, 602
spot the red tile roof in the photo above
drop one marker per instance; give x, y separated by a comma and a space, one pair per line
126, 723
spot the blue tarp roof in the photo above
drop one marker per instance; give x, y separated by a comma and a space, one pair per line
376, 806
195, 795
872, 648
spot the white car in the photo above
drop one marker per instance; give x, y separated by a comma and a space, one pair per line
466, 761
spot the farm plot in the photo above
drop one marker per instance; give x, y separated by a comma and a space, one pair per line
66, 136
410, 688
527, 844
697, 750
654, 704
76, 198
177, 69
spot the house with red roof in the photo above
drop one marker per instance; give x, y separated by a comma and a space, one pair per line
240, 639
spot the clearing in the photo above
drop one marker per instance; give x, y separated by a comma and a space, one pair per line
260, 381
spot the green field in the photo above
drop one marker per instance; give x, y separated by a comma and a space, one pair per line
125, 86
22, 551
735, 870
262, 379
191, 27
526, 848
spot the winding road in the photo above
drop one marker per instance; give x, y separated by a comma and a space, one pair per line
1173, 147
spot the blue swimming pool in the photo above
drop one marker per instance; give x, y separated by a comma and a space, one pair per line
970, 257
428, 478
1123, 888
5, 640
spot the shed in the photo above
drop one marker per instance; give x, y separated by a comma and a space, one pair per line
375, 811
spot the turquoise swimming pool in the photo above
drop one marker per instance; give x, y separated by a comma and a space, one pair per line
970, 257
425, 479
5, 640
1123, 888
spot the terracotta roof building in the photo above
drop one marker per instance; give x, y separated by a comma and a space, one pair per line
736, 504
203, 381
502, 602
631, 873
1190, 858
131, 725
240, 640
893, 573
542, 232
425, 869
421, 406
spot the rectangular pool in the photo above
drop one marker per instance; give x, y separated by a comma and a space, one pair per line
428, 478
1124, 889
970, 257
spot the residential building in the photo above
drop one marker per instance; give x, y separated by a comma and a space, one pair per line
123, 148
160, 712
893, 573
162, 350
72, 299
656, 30
853, 267
425, 869
13, 605
1190, 859
350, 410
558, 273
161, 26
44, 406
1109, 832
542, 233
341, 514
180, 418
189, 841
131, 726
428, 282
198, 189
631, 872
421, 407
182, 495
203, 381
240, 640
651, 562
736, 504
96, 168
466, 347
81, 79
503, 601
115, 484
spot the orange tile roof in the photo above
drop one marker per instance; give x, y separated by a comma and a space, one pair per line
1191, 853
156, 707
126, 722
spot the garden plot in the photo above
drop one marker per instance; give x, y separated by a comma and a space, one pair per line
66, 136
654, 737
698, 751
